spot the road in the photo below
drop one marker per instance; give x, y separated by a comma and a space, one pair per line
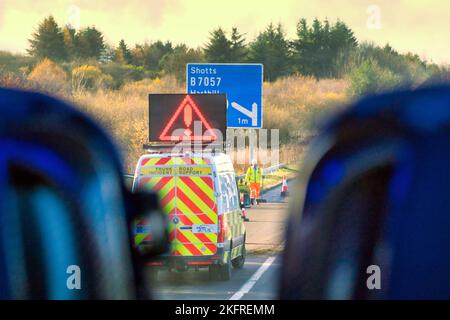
256, 280
273, 195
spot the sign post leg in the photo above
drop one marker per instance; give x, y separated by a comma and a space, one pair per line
252, 143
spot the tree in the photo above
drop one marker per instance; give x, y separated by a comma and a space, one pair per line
49, 77
89, 77
122, 53
218, 48
324, 49
90, 43
272, 50
150, 55
369, 77
175, 62
48, 41
238, 49
343, 44
108, 54
70, 41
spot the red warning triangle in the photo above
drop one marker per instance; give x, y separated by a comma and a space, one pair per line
186, 109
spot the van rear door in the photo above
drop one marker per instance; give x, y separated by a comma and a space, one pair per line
186, 190
196, 216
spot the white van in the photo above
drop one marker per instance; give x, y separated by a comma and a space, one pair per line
198, 192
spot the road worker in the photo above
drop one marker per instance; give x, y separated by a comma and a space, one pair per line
254, 180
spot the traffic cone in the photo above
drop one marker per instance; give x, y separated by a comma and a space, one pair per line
284, 188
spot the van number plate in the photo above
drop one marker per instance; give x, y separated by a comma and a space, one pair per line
204, 228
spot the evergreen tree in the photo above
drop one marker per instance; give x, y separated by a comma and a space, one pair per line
108, 54
70, 41
150, 55
272, 50
48, 41
237, 48
302, 48
218, 48
322, 50
174, 63
90, 43
123, 54
342, 44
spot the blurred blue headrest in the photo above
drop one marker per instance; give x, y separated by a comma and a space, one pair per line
62, 202
422, 110
22, 113
385, 158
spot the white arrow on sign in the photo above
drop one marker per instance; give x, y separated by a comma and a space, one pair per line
251, 114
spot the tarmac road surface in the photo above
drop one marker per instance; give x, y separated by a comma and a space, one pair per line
257, 280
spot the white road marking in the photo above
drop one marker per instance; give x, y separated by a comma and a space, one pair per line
253, 279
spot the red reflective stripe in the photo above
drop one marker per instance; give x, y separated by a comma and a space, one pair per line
185, 242
199, 192
172, 235
144, 161
161, 183
162, 161
142, 222
188, 160
154, 263
206, 242
208, 181
167, 198
148, 237
199, 263
203, 239
143, 181
210, 246
205, 219
185, 220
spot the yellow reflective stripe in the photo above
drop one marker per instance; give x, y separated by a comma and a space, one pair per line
152, 161
188, 212
169, 206
182, 249
198, 160
139, 238
177, 160
205, 188
197, 200
166, 189
152, 182
196, 242
211, 236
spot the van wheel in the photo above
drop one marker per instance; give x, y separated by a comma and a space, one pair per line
239, 262
224, 270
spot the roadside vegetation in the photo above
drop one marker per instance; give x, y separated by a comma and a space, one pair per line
306, 78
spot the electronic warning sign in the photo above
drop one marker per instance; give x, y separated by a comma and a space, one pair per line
189, 118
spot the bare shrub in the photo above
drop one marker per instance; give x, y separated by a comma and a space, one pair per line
49, 77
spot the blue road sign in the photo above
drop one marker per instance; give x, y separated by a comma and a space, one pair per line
242, 83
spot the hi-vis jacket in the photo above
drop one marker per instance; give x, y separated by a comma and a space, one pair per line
254, 175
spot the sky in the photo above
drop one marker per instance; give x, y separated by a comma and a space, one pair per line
418, 26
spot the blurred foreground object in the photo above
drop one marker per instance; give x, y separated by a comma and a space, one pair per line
65, 214
374, 200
